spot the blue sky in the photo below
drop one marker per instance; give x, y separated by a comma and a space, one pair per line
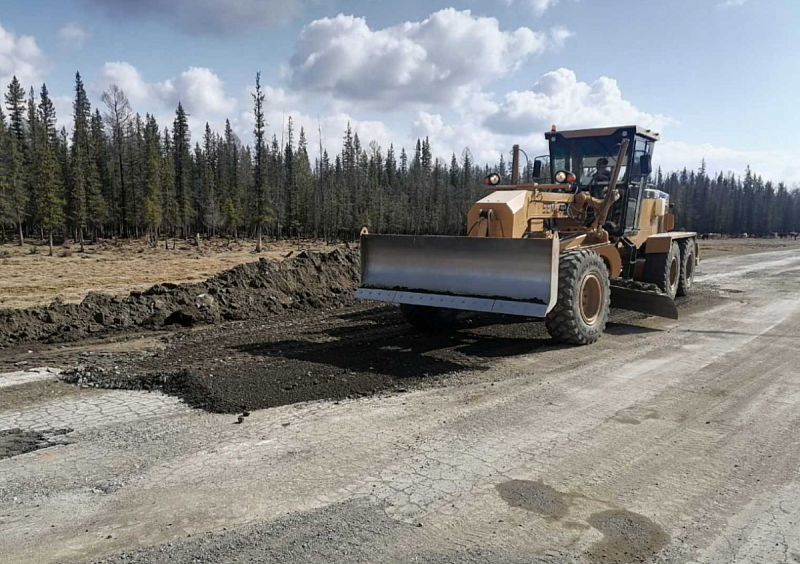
719, 78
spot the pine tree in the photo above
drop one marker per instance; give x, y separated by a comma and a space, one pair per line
290, 181
52, 202
182, 158
99, 196
47, 117
118, 116
304, 186
263, 212
15, 193
15, 104
210, 192
83, 185
232, 185
153, 206
169, 199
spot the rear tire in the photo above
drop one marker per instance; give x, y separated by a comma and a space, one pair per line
664, 270
429, 318
584, 298
688, 248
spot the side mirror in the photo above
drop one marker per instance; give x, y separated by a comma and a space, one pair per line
646, 164
537, 168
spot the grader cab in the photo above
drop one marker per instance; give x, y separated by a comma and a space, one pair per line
586, 233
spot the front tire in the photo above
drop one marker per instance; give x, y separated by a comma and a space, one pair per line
429, 318
584, 298
664, 270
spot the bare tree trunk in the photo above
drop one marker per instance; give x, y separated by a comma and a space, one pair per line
258, 236
21, 236
80, 235
51, 242
198, 241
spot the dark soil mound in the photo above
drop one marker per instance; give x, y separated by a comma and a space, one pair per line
349, 353
306, 282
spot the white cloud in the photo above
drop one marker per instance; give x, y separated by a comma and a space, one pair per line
560, 98
541, 6
21, 56
200, 90
72, 37
490, 128
559, 36
213, 17
772, 165
431, 61
280, 105
732, 3
447, 139
538, 7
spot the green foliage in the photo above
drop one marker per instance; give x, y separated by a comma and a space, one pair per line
52, 201
120, 174
182, 163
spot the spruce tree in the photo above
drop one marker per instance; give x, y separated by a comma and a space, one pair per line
118, 116
210, 192
263, 212
153, 191
17, 193
82, 185
182, 157
52, 201
290, 181
168, 198
15, 104
47, 117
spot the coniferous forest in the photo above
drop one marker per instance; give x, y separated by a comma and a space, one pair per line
121, 174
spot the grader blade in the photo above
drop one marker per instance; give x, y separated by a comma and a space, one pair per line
651, 303
508, 276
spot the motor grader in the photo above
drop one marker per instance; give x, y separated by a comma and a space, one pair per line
585, 234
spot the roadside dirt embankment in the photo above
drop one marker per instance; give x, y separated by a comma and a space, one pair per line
311, 280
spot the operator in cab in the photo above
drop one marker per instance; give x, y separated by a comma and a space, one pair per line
601, 177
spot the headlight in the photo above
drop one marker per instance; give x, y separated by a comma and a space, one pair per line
564, 177
492, 180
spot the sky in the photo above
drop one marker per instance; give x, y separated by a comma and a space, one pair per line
719, 79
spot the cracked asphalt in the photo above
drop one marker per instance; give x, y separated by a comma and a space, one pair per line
665, 442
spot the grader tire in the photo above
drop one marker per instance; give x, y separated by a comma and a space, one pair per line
664, 270
429, 318
688, 249
584, 298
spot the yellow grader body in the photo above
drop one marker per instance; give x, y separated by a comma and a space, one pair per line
579, 238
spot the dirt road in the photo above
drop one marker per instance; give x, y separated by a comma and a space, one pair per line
665, 442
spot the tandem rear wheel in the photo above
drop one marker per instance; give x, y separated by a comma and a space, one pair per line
673, 271
584, 298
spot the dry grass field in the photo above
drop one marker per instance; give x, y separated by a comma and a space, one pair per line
726, 247
29, 279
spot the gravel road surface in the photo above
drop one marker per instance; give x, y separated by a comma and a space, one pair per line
668, 441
